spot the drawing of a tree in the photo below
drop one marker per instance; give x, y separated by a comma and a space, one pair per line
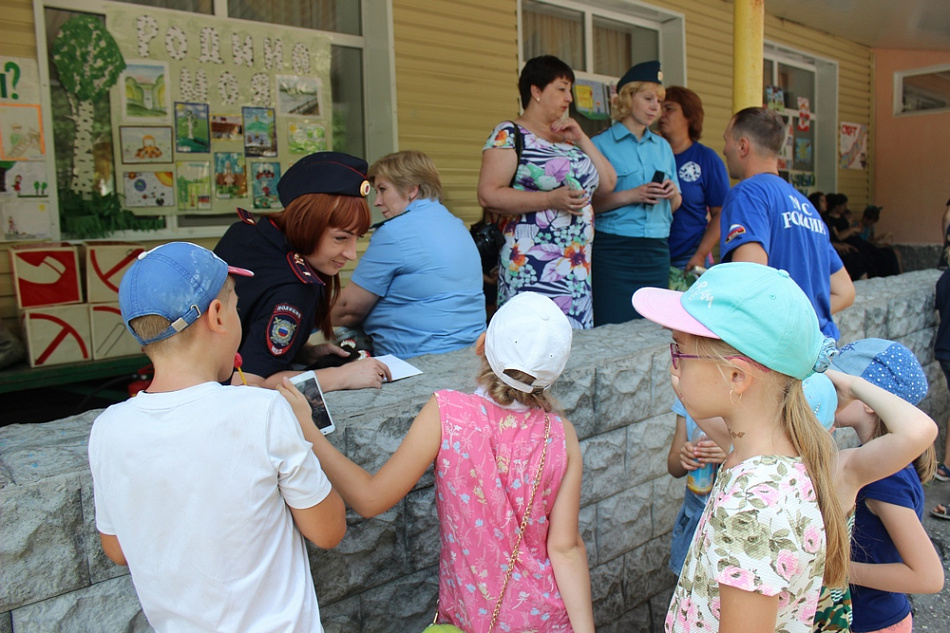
89, 63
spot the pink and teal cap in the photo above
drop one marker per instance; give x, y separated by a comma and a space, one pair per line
756, 309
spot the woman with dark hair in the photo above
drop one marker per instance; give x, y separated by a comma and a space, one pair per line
539, 173
296, 256
633, 221
702, 177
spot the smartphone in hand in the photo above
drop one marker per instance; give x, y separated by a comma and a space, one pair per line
306, 383
658, 177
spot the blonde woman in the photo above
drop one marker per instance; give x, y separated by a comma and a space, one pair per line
633, 219
418, 288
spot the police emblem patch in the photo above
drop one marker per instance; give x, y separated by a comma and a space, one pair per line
282, 329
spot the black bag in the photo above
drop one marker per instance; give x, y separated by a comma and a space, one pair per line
488, 241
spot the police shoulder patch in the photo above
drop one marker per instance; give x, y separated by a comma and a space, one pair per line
282, 328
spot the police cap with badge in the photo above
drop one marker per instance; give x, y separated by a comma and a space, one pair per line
334, 173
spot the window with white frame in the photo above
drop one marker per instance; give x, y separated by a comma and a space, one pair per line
600, 41
922, 90
340, 21
803, 90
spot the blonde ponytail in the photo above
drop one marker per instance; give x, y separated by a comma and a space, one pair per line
819, 453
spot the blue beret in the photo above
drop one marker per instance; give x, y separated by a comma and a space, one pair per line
644, 71
334, 173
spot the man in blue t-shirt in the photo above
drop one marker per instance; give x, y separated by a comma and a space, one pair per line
766, 221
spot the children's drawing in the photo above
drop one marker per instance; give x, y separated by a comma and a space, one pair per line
192, 132
260, 132
25, 179
230, 180
146, 144
194, 184
145, 96
264, 177
148, 188
227, 127
299, 95
21, 132
305, 137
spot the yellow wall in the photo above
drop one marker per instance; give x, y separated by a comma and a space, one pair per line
456, 78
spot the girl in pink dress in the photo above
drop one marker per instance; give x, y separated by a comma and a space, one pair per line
488, 449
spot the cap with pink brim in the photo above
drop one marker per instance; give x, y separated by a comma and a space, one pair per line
758, 310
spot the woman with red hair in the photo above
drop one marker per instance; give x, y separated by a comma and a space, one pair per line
296, 256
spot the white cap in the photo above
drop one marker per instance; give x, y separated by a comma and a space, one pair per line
531, 334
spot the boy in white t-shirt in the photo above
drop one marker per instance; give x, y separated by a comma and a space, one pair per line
206, 491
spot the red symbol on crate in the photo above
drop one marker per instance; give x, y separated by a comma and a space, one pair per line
67, 330
107, 276
47, 277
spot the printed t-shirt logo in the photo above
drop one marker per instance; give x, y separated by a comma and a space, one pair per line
735, 231
690, 172
282, 328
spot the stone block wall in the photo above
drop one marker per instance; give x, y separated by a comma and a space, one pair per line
616, 391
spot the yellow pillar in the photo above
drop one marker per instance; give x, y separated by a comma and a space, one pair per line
748, 35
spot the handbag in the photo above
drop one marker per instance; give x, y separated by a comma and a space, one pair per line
488, 240
451, 628
488, 237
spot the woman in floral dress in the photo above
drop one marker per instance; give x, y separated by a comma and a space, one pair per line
539, 173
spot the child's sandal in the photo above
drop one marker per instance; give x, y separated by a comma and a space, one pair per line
943, 473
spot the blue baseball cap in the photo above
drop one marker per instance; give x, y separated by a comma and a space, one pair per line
756, 309
177, 281
644, 71
822, 398
324, 172
887, 364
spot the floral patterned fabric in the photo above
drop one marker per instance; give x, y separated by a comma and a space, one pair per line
834, 605
548, 251
484, 472
762, 531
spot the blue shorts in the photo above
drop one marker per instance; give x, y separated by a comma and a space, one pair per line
684, 528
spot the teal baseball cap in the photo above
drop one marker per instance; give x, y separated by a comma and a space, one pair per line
757, 309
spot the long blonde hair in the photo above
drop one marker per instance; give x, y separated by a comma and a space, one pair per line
819, 454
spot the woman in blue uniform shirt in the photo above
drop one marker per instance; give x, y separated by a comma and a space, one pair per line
296, 256
418, 287
633, 220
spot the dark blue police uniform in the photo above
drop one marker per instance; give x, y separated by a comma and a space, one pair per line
278, 305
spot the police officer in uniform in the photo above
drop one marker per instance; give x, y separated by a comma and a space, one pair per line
297, 256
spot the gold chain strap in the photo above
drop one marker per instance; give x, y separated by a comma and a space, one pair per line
524, 524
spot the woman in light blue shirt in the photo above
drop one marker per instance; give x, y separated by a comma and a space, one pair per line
633, 221
418, 288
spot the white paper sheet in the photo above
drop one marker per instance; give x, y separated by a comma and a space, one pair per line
399, 368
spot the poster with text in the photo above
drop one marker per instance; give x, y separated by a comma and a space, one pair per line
853, 145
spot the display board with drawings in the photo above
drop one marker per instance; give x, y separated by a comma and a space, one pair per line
210, 111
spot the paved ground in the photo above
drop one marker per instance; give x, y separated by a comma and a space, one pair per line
932, 612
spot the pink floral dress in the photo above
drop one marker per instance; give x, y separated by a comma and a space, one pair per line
548, 251
762, 531
483, 475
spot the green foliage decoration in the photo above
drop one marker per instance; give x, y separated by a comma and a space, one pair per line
83, 217
87, 57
